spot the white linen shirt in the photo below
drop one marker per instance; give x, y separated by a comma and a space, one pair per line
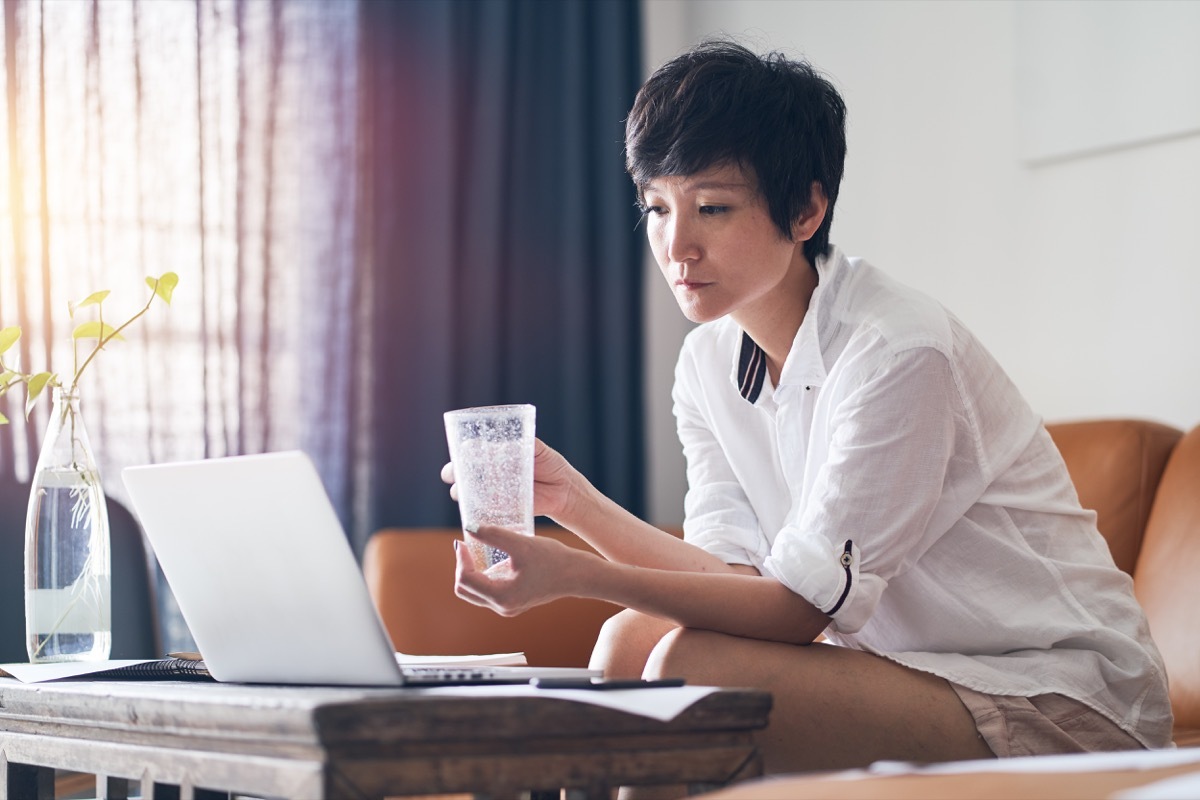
898, 481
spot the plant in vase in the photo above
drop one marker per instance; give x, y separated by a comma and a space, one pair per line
67, 562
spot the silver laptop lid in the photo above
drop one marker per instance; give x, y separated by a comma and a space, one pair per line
262, 571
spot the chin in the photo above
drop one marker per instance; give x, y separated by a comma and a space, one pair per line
699, 315
700, 309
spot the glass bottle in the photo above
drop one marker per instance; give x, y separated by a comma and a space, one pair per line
68, 576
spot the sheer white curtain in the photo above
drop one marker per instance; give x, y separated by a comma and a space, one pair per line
216, 139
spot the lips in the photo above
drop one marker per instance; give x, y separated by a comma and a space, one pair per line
691, 285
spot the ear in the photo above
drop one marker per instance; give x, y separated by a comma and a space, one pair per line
813, 215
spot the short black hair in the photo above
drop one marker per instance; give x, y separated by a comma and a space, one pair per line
721, 103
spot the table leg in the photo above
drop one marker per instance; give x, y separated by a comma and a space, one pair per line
111, 788
25, 781
596, 791
164, 791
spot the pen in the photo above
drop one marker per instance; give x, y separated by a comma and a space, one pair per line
600, 683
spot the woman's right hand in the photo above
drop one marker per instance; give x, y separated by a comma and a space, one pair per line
557, 486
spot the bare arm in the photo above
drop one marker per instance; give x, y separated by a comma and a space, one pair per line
562, 493
623, 538
730, 601
642, 567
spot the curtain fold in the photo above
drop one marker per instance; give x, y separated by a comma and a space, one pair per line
503, 245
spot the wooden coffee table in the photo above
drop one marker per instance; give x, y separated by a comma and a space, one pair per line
207, 740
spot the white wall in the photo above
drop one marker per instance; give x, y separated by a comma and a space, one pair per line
1081, 274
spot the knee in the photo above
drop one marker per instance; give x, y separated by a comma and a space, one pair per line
629, 628
623, 624
624, 642
684, 653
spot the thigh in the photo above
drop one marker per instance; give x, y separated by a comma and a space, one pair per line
833, 707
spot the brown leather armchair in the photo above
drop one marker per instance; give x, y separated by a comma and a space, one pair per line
1116, 466
1167, 581
1143, 480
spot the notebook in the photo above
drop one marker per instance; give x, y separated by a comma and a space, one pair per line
266, 581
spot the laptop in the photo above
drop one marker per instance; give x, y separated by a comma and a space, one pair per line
267, 582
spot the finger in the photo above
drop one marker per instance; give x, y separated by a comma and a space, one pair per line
494, 535
470, 595
447, 476
463, 560
484, 581
466, 575
477, 587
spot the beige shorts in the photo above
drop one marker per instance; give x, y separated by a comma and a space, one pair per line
1042, 725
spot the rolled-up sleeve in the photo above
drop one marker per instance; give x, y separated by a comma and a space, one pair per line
867, 514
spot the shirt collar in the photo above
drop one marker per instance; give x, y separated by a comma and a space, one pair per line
804, 365
751, 369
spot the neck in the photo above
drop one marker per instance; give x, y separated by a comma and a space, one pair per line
773, 322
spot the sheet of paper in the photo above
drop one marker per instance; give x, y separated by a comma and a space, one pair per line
1083, 762
39, 673
1166, 789
661, 704
487, 660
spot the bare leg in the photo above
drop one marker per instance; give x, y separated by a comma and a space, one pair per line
834, 708
624, 645
626, 641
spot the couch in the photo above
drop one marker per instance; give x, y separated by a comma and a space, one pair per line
1142, 478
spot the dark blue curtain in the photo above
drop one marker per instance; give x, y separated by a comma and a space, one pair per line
504, 257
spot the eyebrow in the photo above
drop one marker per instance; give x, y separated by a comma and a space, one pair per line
702, 185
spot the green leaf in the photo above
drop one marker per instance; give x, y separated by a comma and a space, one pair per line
164, 286
93, 299
3, 420
95, 330
36, 384
8, 337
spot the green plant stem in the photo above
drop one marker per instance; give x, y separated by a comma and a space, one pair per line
105, 340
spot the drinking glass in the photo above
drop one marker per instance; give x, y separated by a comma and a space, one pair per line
491, 448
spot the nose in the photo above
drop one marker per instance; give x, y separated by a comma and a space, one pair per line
682, 239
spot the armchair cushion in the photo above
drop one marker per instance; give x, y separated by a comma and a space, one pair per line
1116, 466
1167, 582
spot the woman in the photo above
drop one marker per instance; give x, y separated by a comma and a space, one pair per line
858, 466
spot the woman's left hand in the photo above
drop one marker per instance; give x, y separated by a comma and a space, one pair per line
537, 571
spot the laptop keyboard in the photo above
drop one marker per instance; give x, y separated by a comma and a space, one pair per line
443, 676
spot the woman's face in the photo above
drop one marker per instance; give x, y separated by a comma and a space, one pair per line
716, 244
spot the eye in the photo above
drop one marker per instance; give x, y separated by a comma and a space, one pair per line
712, 211
647, 210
